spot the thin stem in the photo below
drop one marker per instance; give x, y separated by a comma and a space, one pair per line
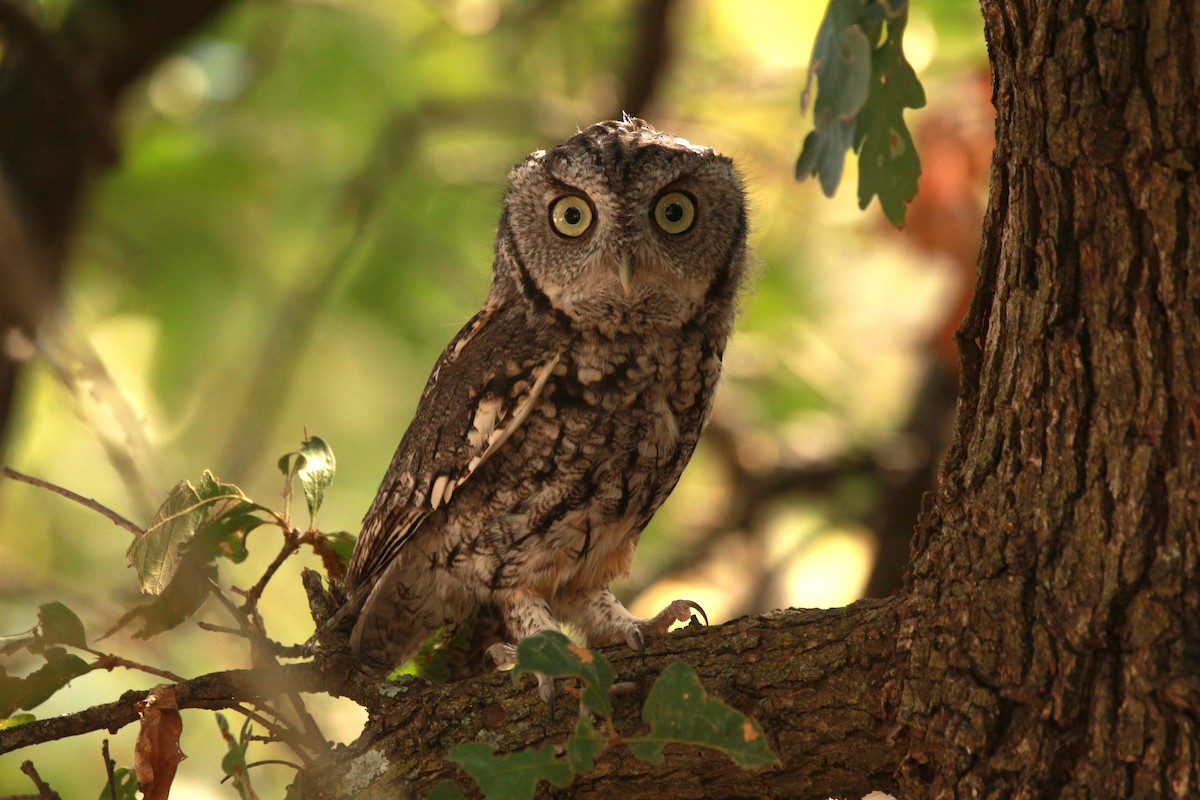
291, 764
87, 502
44, 791
108, 767
260, 655
281, 733
208, 626
239, 616
109, 661
291, 544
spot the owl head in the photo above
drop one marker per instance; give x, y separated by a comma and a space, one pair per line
622, 228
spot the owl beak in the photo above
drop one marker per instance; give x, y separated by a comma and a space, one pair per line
625, 273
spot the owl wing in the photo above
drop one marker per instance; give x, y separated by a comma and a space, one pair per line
482, 389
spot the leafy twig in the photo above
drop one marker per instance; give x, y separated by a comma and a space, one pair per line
279, 649
109, 661
235, 611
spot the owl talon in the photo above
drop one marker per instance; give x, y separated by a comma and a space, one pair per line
678, 611
637, 641
547, 692
696, 606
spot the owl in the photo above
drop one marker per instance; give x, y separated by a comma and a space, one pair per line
562, 414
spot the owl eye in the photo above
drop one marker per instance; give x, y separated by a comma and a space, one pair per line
675, 212
571, 215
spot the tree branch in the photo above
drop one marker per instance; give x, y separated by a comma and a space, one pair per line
87, 502
822, 707
216, 690
815, 680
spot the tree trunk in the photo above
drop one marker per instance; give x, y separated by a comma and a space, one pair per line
1051, 619
1048, 637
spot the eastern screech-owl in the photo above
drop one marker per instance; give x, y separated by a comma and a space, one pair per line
561, 416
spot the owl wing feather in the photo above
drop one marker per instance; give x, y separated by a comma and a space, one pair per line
470, 407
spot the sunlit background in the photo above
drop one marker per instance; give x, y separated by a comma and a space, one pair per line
303, 217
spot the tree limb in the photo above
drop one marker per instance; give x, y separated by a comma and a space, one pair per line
814, 679
216, 690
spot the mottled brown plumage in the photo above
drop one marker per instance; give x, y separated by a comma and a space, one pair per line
561, 416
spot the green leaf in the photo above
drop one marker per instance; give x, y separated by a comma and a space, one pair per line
552, 653
37, 687
225, 535
585, 745
679, 710
863, 88
446, 790
342, 544
511, 776
888, 164
60, 625
15, 720
234, 762
846, 79
840, 65
194, 526
824, 154
125, 783
183, 597
158, 553
229, 519
432, 660
315, 465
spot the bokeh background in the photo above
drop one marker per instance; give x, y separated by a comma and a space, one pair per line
302, 218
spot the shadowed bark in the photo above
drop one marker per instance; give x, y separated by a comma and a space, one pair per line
1051, 615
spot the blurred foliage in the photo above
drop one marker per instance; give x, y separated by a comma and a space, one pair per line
864, 85
303, 217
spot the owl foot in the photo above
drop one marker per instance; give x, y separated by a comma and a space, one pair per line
677, 611
503, 655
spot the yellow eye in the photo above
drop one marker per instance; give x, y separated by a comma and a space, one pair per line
675, 212
571, 215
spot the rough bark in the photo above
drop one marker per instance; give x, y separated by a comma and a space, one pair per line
1051, 614
814, 679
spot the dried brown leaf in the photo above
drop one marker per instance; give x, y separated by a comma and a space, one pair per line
156, 755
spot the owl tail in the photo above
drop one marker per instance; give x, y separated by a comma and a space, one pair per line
403, 608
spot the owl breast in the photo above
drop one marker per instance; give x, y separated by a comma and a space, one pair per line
563, 505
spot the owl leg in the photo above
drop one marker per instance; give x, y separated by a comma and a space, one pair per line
604, 620
525, 614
